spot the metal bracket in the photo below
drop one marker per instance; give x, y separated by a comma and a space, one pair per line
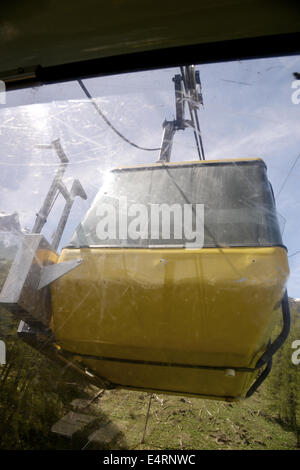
25, 291
54, 271
20, 292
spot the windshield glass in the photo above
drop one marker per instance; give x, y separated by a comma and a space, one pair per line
250, 110
149, 244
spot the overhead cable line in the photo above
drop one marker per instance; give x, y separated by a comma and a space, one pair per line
295, 253
286, 178
87, 93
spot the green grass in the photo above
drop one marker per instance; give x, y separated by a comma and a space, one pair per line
190, 423
175, 422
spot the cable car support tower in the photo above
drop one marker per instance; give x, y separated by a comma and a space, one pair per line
187, 91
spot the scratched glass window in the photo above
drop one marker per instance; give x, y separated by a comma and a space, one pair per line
149, 225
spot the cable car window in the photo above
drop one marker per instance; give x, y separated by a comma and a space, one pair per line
238, 204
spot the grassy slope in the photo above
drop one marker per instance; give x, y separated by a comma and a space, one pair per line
180, 423
174, 422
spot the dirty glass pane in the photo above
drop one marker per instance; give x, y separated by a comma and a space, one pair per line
250, 110
141, 314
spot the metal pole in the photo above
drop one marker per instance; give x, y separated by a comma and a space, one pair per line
41, 216
147, 417
167, 141
76, 190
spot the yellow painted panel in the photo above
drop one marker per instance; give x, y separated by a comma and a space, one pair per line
211, 307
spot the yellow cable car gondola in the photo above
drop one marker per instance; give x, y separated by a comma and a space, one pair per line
156, 316
170, 283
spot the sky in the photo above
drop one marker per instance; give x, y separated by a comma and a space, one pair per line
248, 112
